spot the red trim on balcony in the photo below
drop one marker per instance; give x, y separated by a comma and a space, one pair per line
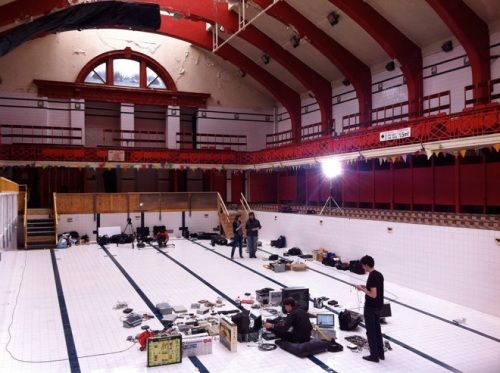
104, 93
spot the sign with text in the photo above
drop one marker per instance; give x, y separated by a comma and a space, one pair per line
116, 155
396, 134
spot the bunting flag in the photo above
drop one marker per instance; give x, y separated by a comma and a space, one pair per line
393, 158
428, 152
462, 152
496, 147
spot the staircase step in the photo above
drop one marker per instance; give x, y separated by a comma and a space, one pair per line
40, 245
42, 238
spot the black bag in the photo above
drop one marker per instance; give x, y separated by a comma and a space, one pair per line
294, 251
219, 240
355, 267
347, 321
103, 240
330, 262
280, 242
273, 257
115, 238
158, 228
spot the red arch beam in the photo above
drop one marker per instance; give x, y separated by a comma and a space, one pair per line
472, 32
394, 42
349, 65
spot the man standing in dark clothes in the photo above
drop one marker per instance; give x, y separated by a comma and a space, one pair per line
374, 300
298, 319
238, 236
252, 226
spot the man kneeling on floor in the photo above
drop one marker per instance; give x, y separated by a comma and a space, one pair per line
297, 319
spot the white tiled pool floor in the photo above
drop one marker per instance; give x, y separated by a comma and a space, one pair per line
79, 330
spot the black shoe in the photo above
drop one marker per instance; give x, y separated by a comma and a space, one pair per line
241, 256
371, 358
381, 357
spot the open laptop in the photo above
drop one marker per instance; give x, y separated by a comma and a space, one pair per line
325, 321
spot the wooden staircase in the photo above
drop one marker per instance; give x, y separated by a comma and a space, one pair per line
227, 226
40, 229
226, 217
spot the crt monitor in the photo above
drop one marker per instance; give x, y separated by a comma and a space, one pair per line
300, 294
257, 323
325, 320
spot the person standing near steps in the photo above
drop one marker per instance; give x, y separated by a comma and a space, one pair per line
238, 236
252, 226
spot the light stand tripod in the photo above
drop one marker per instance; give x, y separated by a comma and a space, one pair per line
329, 202
130, 231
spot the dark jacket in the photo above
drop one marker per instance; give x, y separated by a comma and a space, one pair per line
299, 320
252, 224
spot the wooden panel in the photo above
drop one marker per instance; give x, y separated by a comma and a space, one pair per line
312, 185
472, 186
287, 184
8, 186
219, 183
493, 184
422, 185
402, 185
350, 186
237, 186
444, 185
263, 187
69, 203
366, 186
383, 183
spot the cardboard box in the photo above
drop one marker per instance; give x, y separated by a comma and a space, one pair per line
299, 267
228, 334
319, 254
195, 346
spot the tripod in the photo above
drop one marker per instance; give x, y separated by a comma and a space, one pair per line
329, 202
130, 231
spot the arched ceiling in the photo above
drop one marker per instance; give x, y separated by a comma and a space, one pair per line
368, 35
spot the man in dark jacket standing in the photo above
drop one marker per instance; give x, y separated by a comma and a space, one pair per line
297, 319
374, 300
252, 226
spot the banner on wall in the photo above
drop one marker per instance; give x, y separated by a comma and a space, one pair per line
396, 134
116, 155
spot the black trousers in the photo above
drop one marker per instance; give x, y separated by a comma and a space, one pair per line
373, 331
237, 241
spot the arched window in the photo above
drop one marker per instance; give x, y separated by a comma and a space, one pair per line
126, 69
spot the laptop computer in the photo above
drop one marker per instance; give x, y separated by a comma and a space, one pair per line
325, 321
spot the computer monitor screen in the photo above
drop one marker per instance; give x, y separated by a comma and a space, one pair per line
300, 294
325, 320
257, 324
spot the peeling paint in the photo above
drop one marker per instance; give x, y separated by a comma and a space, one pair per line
79, 51
151, 47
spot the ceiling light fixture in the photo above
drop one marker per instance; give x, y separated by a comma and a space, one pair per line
265, 58
390, 66
333, 18
295, 41
447, 46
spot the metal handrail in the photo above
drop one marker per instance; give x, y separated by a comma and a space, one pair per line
224, 208
25, 219
244, 204
56, 219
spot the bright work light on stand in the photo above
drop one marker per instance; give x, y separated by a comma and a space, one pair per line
331, 169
